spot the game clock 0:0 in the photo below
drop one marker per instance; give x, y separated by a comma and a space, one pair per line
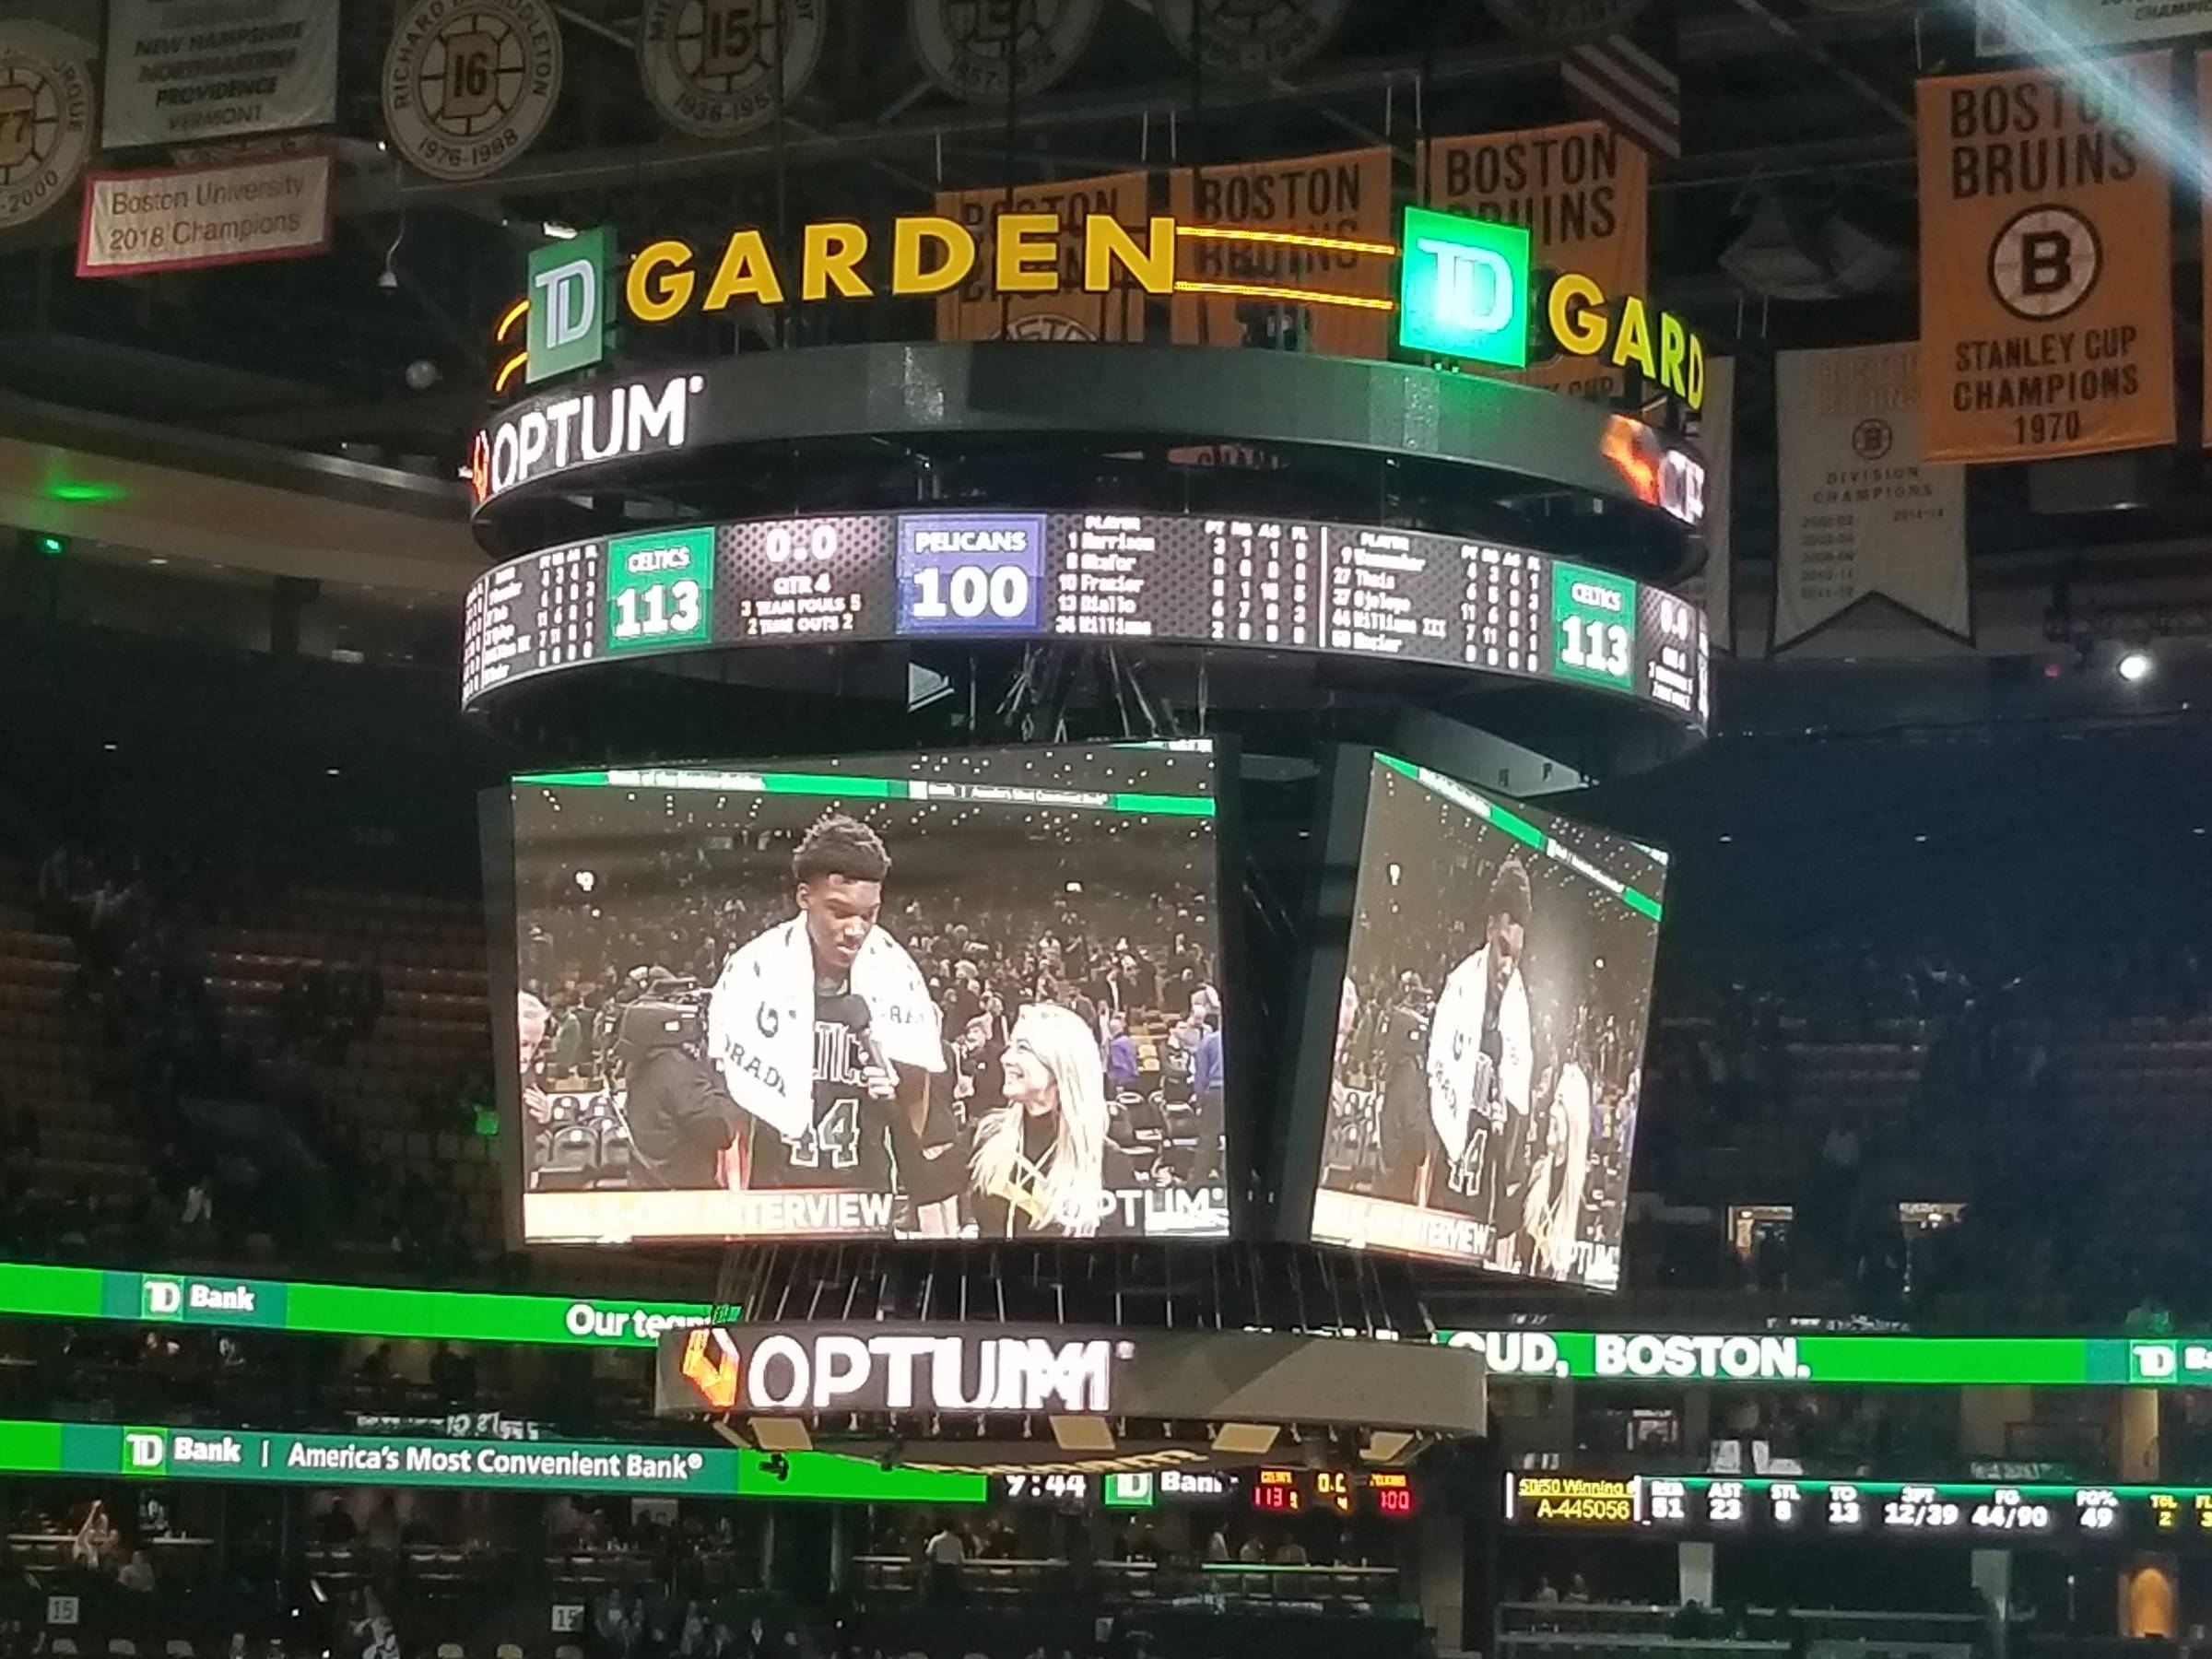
660, 590
1592, 626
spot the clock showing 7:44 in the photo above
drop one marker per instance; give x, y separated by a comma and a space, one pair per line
1592, 626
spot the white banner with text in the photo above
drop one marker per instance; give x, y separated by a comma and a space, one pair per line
1862, 514
187, 218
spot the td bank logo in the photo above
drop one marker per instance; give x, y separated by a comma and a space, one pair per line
2169, 1361
162, 1298
567, 305
146, 1452
1463, 287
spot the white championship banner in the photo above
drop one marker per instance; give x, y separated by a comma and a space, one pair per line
2009, 27
186, 70
1861, 514
186, 218
1715, 585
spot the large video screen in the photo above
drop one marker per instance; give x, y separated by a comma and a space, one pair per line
1489, 1033
970, 995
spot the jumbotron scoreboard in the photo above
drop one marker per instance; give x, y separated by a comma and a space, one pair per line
1718, 1506
1212, 582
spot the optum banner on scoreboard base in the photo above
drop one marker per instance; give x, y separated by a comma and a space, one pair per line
1839, 1359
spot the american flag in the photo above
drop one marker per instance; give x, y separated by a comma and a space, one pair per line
1621, 82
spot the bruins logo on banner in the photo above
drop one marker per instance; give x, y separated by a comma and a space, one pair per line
716, 68
1337, 299
1250, 39
974, 312
468, 86
2046, 289
1581, 190
986, 49
45, 119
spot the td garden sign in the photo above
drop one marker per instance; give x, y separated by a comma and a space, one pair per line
1467, 288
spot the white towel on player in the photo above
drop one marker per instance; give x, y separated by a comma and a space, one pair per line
1460, 1085
761, 1020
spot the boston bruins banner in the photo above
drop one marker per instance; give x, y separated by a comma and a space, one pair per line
1860, 514
2046, 291
975, 312
1581, 190
1225, 286
2203, 216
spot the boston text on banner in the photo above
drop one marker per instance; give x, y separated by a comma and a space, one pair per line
2046, 288
1580, 190
2203, 216
1862, 516
185, 74
976, 311
1343, 197
188, 219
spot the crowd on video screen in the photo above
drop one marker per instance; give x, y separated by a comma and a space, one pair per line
1491, 1033
756, 1015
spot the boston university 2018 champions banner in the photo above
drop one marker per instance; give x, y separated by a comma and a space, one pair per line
2046, 287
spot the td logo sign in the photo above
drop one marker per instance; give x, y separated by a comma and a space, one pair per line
146, 1452
162, 1298
1463, 287
567, 305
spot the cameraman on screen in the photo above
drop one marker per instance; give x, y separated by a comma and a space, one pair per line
681, 1118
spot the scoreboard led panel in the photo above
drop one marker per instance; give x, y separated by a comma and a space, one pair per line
1364, 592
1716, 1505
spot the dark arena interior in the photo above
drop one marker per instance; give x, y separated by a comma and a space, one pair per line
1105, 830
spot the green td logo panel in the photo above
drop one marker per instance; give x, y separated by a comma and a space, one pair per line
1463, 287
569, 305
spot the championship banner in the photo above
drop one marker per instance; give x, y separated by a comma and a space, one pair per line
2048, 27
1583, 192
2203, 213
1715, 586
975, 312
1861, 515
192, 218
1222, 283
183, 71
2046, 288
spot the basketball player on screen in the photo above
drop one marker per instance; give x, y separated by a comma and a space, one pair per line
1481, 1065
827, 1036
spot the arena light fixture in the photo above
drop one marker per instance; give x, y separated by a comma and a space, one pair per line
2136, 666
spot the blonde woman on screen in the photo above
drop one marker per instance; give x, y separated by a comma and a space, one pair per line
1040, 1163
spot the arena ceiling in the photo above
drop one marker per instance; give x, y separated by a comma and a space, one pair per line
1788, 221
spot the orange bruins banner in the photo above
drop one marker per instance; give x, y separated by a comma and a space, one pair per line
2046, 281
1344, 197
2204, 218
1582, 191
973, 311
